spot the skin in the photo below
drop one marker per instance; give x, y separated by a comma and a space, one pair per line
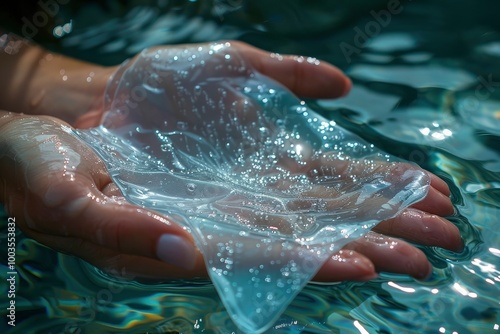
60, 193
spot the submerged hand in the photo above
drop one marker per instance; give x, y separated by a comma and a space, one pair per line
61, 195
82, 212
385, 247
170, 90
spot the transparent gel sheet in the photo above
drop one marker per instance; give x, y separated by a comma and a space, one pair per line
268, 188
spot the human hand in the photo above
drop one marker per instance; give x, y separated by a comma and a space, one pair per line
170, 108
62, 196
36, 81
90, 202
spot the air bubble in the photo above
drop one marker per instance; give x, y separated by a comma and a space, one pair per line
190, 188
301, 109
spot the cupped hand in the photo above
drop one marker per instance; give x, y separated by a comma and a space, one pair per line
62, 196
389, 247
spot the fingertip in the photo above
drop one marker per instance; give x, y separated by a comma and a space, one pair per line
347, 87
393, 255
346, 265
423, 228
445, 234
331, 82
455, 241
425, 273
177, 251
436, 202
417, 266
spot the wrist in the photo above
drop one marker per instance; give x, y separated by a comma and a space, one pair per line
39, 82
67, 88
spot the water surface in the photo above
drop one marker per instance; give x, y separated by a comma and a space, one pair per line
425, 89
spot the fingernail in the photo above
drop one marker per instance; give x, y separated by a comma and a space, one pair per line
177, 251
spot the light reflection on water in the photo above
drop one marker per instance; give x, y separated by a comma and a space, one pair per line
427, 93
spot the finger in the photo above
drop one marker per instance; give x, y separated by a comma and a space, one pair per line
392, 255
346, 265
121, 227
439, 184
305, 76
435, 202
342, 266
423, 228
438, 199
113, 262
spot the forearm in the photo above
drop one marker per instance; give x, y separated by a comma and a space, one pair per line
38, 82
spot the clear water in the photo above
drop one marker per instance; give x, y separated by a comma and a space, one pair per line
425, 90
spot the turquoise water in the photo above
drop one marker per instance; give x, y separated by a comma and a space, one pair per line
426, 88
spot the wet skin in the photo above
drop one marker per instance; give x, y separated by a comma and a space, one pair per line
61, 195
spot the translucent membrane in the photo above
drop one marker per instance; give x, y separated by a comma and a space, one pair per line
268, 188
